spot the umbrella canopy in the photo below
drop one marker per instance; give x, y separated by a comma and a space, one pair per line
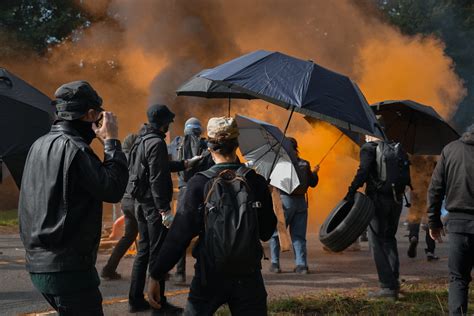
419, 128
260, 142
299, 85
204, 88
25, 115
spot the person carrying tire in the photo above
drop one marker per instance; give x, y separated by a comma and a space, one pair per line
230, 208
453, 180
109, 271
295, 208
184, 147
384, 168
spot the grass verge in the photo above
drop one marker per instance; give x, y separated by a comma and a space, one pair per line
427, 298
9, 218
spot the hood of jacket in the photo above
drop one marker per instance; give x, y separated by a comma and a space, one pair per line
148, 129
468, 138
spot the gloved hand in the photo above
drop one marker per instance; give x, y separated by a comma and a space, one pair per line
350, 197
192, 162
167, 218
249, 164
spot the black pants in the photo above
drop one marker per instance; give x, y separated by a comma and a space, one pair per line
244, 295
129, 236
414, 231
77, 304
461, 261
181, 265
152, 235
382, 230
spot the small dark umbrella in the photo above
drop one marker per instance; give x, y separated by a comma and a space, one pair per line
298, 85
419, 128
25, 115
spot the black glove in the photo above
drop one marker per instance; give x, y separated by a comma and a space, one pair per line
350, 197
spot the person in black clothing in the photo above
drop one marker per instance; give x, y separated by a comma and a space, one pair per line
453, 180
154, 211
60, 208
384, 225
131, 226
185, 147
245, 294
295, 207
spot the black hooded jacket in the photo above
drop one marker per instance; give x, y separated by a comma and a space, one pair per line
60, 208
160, 167
453, 179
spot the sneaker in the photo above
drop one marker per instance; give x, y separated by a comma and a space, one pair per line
275, 268
140, 307
110, 276
412, 248
384, 293
168, 309
301, 270
179, 279
431, 256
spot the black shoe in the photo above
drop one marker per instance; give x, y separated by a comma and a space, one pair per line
412, 248
431, 256
384, 293
179, 279
109, 276
168, 309
140, 307
301, 270
275, 268
364, 236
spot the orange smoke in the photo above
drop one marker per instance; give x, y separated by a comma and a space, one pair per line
143, 50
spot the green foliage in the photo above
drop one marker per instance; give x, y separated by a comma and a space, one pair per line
38, 24
9, 218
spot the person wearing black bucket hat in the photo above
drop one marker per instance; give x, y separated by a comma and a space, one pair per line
60, 208
151, 185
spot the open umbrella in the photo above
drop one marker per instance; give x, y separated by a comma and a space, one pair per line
205, 88
298, 85
259, 142
419, 128
25, 115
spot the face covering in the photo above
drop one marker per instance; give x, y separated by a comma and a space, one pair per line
84, 129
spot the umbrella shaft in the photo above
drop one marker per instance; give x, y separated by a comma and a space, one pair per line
281, 141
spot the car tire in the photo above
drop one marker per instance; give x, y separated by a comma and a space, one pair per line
346, 222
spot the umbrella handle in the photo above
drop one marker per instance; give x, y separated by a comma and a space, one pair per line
330, 149
281, 142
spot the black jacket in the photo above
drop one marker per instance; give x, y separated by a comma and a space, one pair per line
367, 172
60, 208
159, 167
189, 221
311, 178
188, 146
453, 178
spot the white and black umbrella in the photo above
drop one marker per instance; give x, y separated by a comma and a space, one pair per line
259, 142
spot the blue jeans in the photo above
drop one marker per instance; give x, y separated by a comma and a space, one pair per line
296, 217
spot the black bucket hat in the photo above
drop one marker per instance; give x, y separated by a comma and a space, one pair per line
74, 99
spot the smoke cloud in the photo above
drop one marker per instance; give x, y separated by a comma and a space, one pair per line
140, 51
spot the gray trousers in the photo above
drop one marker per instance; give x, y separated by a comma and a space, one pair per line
382, 230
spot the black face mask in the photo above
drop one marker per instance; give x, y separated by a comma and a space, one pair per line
84, 129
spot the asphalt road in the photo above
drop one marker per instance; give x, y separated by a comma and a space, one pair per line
349, 270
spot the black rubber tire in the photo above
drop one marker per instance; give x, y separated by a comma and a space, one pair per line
346, 223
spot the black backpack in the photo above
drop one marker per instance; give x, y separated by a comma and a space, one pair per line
138, 184
231, 242
393, 168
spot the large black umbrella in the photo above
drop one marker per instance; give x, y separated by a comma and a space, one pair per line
298, 85
25, 115
419, 128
